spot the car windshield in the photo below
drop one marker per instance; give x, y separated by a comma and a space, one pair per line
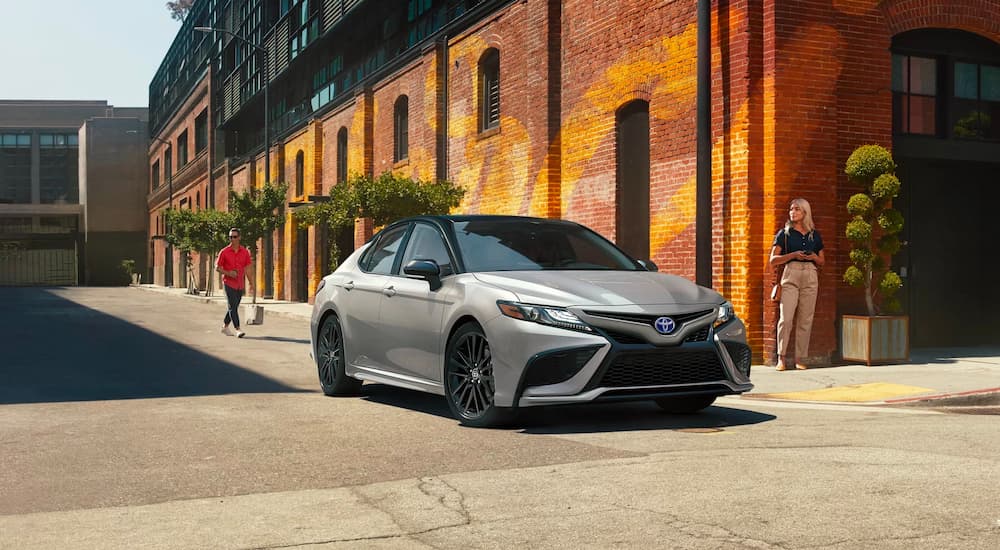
533, 245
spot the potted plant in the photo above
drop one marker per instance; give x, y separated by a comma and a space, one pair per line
881, 336
128, 267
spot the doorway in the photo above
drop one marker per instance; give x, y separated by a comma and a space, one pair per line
632, 220
947, 263
301, 288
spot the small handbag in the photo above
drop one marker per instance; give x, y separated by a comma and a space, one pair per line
778, 272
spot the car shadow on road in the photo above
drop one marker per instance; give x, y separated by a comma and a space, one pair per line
56, 350
278, 339
586, 418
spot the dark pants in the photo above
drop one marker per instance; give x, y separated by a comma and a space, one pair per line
233, 296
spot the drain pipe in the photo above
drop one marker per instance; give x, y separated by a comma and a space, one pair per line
703, 193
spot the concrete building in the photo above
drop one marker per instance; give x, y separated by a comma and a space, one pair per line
587, 111
48, 155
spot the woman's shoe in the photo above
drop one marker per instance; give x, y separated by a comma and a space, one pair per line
781, 366
800, 366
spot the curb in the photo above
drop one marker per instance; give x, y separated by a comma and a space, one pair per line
972, 398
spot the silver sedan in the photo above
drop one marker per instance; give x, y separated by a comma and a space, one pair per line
499, 312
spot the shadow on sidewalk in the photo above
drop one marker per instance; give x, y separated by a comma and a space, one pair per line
55, 350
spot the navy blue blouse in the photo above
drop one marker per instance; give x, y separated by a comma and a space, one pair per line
811, 242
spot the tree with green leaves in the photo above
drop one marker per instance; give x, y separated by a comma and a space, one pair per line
202, 231
874, 228
179, 9
258, 212
384, 199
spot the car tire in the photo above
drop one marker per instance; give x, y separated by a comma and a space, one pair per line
469, 383
331, 359
685, 405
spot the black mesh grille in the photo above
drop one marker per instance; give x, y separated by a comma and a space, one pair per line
657, 368
741, 356
699, 336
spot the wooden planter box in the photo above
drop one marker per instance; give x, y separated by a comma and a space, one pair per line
871, 340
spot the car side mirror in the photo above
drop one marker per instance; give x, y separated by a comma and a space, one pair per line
648, 264
427, 270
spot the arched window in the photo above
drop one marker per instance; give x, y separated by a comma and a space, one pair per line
632, 142
300, 177
489, 90
401, 129
342, 155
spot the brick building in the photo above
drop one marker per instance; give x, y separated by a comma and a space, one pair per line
586, 111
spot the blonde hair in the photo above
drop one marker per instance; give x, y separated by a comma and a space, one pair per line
807, 218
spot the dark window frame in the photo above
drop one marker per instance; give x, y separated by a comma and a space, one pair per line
300, 176
401, 129
489, 90
342, 142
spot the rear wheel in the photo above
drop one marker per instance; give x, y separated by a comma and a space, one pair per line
330, 360
685, 405
469, 382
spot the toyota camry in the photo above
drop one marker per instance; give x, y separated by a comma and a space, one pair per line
496, 313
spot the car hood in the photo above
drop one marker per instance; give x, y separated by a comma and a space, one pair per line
601, 288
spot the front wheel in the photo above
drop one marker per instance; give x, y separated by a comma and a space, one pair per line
469, 382
685, 405
330, 360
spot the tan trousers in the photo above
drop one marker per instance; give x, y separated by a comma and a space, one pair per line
799, 285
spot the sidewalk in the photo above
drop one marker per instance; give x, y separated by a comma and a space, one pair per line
281, 308
934, 376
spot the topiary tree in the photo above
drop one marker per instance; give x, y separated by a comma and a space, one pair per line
874, 228
384, 199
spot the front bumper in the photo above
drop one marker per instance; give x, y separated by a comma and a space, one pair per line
537, 365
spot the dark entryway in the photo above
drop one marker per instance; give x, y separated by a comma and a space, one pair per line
950, 264
632, 225
300, 291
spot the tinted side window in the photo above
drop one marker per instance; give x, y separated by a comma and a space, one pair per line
426, 243
383, 253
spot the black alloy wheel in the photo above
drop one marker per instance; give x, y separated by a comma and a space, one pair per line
469, 379
685, 405
330, 360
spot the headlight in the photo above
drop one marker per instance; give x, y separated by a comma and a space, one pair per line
322, 283
543, 315
725, 313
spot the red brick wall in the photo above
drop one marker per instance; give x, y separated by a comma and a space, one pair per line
502, 169
796, 87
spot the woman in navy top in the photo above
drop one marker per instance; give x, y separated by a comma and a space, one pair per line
799, 247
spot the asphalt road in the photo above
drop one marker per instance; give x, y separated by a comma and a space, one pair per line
128, 421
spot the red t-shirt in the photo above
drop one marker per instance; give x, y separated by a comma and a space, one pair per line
230, 260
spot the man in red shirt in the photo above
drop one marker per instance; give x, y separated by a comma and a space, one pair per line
232, 264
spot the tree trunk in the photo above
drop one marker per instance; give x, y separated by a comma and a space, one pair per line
868, 296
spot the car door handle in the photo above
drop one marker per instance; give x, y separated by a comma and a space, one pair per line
389, 291
349, 285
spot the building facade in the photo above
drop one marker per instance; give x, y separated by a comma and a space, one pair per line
586, 112
44, 203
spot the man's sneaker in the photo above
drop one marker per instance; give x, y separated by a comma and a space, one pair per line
225, 330
240, 333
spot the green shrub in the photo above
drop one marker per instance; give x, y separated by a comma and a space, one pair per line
859, 230
874, 227
860, 205
869, 162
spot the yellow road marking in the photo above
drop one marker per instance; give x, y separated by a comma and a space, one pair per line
857, 393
